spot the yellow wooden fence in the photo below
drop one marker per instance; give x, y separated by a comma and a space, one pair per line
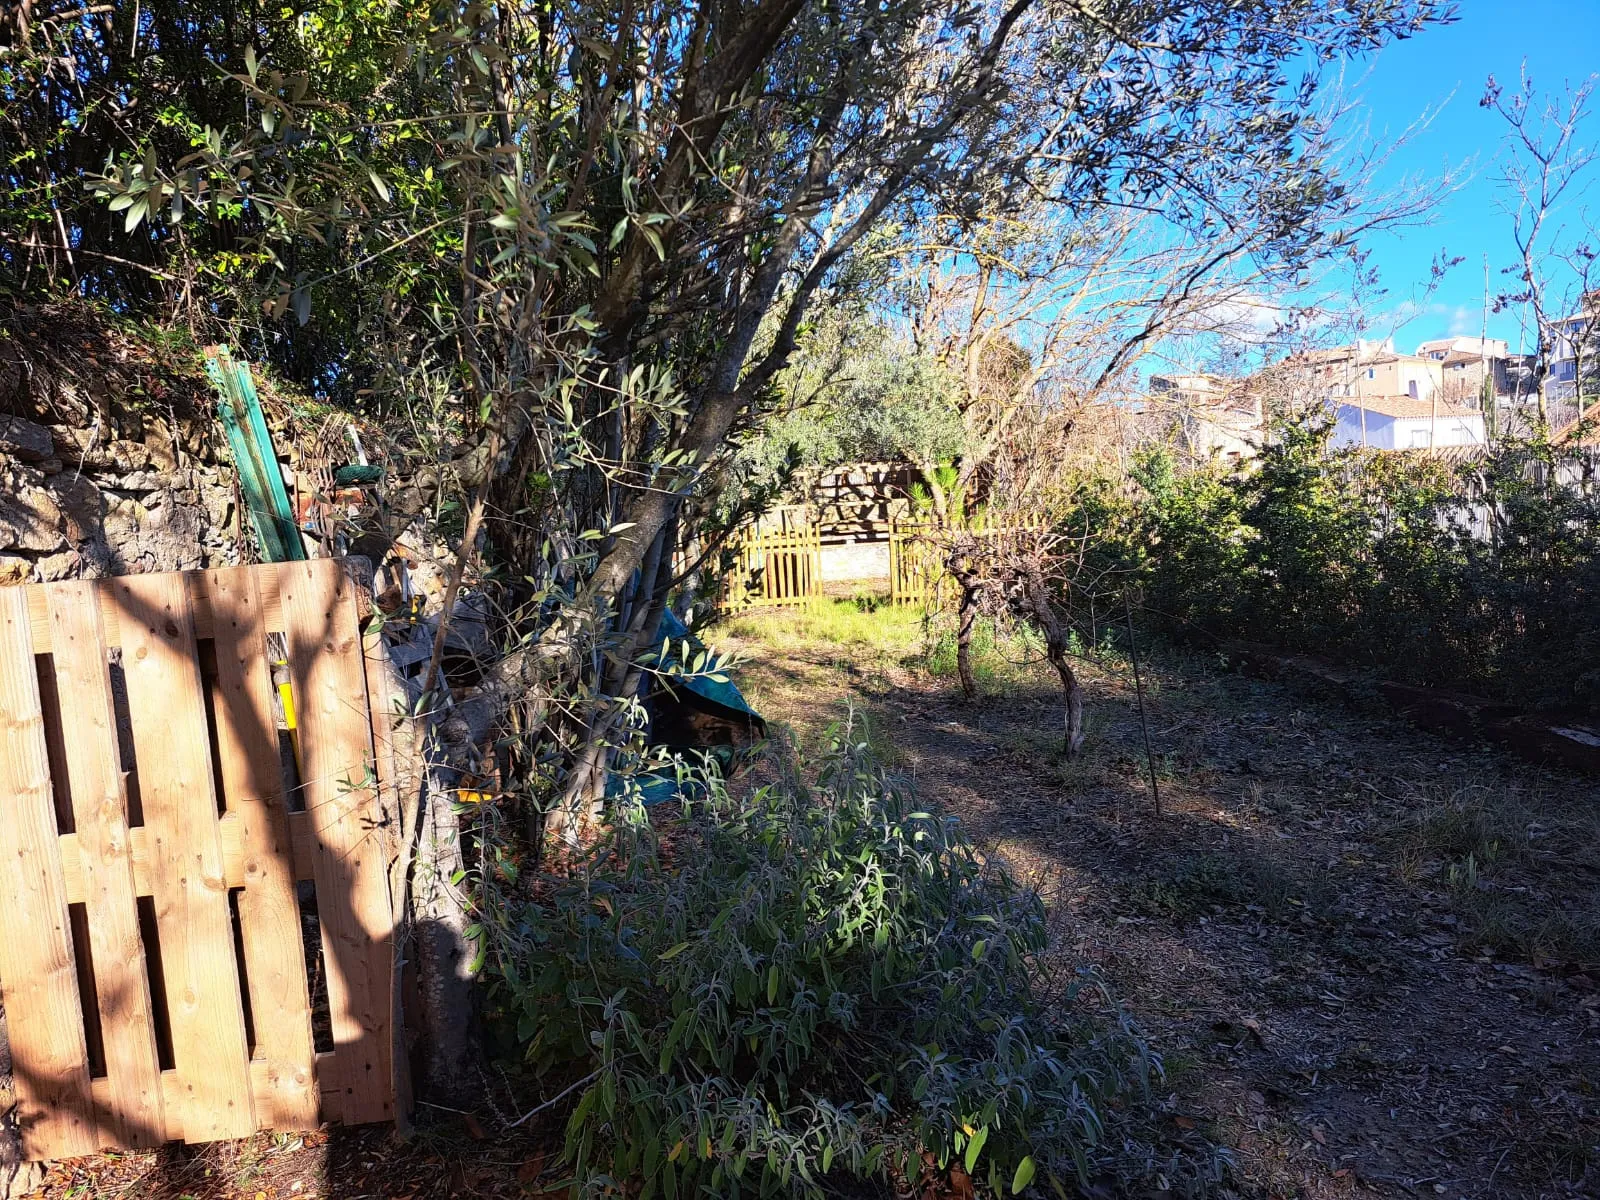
917, 570
775, 568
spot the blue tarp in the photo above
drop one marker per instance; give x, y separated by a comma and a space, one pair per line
662, 784
706, 688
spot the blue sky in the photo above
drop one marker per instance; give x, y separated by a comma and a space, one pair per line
1560, 41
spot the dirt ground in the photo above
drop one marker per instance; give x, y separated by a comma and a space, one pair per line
1367, 956
448, 1158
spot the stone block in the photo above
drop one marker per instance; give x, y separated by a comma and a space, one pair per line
80, 503
14, 570
30, 519
64, 565
24, 440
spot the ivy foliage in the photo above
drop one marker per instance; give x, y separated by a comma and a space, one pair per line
819, 979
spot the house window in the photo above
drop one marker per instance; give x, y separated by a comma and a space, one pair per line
1412, 389
1371, 374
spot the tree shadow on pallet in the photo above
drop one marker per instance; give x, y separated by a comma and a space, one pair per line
194, 1019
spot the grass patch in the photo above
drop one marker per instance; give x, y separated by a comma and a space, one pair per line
1003, 654
1516, 869
1207, 883
896, 630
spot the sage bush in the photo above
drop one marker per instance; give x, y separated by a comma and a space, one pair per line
813, 982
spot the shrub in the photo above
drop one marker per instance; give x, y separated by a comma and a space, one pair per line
1486, 578
812, 980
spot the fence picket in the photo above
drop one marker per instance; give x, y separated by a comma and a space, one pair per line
775, 567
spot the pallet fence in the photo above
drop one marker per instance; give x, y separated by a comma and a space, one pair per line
160, 862
917, 571
915, 568
779, 568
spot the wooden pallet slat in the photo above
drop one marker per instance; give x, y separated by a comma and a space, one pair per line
383, 706
199, 603
134, 1115
350, 856
50, 1062
269, 912
195, 924
233, 856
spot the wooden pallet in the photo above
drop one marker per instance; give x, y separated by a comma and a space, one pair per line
775, 569
153, 964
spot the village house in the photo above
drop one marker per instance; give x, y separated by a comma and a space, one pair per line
1576, 350
1404, 423
1465, 361
1214, 417
1371, 369
1388, 400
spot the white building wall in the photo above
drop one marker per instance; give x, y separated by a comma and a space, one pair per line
1413, 432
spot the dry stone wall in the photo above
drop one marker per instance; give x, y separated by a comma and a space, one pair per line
110, 460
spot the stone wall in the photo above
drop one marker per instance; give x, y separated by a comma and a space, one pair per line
856, 562
111, 462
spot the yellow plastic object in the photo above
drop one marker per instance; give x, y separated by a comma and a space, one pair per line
286, 694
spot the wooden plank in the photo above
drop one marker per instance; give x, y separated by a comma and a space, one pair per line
172, 746
269, 913
171, 1093
200, 608
172, 1090
38, 973
382, 708
233, 855
133, 1115
351, 858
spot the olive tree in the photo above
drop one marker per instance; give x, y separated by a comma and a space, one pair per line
569, 248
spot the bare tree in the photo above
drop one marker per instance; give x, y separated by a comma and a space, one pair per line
1038, 575
1546, 167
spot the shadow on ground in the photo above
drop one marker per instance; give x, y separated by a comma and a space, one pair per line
1368, 956
446, 1159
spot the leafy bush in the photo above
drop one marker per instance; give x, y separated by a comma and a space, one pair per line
812, 980
1484, 578
854, 393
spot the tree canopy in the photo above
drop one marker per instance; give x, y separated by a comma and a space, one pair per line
572, 248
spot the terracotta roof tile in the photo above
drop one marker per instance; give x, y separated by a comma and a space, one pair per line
1405, 406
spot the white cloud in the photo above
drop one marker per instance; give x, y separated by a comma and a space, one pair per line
1434, 319
1245, 318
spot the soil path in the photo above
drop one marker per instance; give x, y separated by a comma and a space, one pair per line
1364, 953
